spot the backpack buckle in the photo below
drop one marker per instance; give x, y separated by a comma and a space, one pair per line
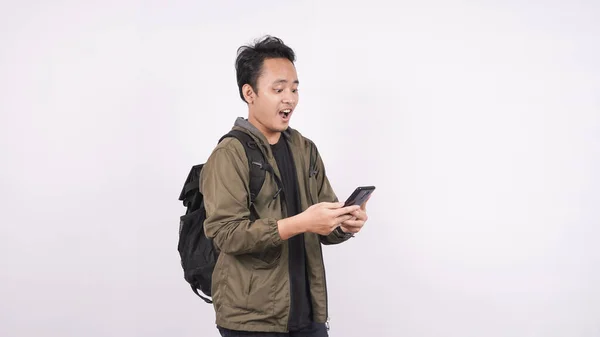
277, 193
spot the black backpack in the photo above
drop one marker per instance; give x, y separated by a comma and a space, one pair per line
197, 252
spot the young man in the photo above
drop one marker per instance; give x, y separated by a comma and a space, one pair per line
269, 279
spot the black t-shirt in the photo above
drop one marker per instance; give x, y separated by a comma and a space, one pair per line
301, 308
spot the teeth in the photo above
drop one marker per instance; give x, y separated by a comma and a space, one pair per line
287, 111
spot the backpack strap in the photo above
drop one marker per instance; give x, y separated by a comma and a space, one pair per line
257, 162
205, 299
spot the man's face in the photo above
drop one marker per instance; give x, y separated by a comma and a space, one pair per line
271, 108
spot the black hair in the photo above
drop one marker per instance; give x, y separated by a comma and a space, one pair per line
250, 59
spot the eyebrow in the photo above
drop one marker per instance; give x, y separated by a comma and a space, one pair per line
285, 81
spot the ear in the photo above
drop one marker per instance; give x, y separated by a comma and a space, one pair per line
249, 94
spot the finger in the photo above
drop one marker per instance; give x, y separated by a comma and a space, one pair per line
339, 221
364, 204
346, 210
332, 205
353, 223
342, 219
350, 229
361, 215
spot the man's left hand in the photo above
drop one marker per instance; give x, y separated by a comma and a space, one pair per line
355, 224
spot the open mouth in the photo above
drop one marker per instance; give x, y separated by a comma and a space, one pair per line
285, 113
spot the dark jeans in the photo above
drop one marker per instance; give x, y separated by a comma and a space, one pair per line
315, 330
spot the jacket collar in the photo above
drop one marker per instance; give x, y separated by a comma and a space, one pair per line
243, 123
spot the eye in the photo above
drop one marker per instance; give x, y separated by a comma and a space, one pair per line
294, 90
279, 91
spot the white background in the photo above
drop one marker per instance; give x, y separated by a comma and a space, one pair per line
478, 123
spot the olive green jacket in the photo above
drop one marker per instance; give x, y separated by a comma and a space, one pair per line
250, 284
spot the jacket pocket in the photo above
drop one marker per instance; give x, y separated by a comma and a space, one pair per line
219, 274
266, 259
236, 284
261, 292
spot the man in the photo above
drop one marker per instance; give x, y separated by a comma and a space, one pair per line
269, 279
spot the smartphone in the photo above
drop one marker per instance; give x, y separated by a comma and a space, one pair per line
359, 196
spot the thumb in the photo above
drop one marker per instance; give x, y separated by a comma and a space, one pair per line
332, 205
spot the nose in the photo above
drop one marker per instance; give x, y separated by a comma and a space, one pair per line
289, 98
289, 101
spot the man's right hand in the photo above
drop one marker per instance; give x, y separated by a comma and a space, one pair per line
321, 218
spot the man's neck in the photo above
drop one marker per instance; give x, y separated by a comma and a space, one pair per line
272, 137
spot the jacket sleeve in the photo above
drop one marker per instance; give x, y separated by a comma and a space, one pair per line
224, 185
326, 194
